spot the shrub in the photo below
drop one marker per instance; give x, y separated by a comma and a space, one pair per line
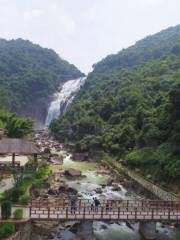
6, 209
6, 229
135, 158
18, 213
25, 199
15, 194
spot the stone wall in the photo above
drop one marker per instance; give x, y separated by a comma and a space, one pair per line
154, 189
159, 192
16, 236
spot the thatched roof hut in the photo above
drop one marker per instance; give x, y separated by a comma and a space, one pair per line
18, 146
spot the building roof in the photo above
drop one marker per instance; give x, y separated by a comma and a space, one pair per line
18, 146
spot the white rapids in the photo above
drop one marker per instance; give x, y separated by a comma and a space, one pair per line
62, 99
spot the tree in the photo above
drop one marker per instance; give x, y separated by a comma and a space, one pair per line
15, 126
6, 209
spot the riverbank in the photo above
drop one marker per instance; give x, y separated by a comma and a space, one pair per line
96, 180
99, 184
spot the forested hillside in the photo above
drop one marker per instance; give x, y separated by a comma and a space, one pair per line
14, 126
129, 107
29, 74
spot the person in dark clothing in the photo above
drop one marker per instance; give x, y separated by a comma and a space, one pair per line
96, 203
73, 205
107, 207
92, 207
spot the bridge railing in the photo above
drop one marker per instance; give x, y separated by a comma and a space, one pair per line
102, 213
64, 203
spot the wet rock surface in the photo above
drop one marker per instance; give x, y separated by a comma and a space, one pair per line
72, 172
58, 187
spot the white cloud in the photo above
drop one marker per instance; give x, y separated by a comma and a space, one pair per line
33, 13
84, 31
151, 2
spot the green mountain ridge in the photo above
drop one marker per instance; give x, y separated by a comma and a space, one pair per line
161, 43
129, 108
29, 74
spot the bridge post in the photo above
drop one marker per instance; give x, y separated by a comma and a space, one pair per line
102, 210
148, 230
30, 211
84, 212
135, 213
67, 213
48, 212
169, 214
118, 212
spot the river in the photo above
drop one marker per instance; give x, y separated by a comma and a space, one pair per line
110, 231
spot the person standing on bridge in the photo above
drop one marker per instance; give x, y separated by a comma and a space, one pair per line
97, 203
73, 205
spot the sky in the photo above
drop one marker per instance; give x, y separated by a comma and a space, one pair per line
85, 31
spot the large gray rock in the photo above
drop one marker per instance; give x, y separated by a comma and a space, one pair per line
148, 230
80, 156
72, 172
66, 235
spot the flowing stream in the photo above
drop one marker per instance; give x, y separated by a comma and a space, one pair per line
62, 99
110, 231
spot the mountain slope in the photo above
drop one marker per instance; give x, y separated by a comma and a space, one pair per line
131, 111
152, 47
28, 75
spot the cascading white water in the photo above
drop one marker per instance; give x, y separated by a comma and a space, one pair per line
62, 99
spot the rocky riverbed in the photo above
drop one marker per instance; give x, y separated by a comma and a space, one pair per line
87, 180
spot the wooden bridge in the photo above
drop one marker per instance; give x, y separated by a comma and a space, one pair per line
63, 209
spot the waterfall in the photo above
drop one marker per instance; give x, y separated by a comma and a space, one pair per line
62, 99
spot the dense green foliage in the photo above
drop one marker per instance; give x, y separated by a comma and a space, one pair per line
6, 209
18, 213
150, 48
129, 106
6, 229
29, 73
23, 182
15, 127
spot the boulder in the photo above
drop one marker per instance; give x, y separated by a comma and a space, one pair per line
72, 172
116, 187
47, 150
110, 181
67, 235
52, 192
80, 156
104, 227
67, 190
98, 190
71, 191
62, 189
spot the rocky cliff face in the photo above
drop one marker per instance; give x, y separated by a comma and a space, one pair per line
37, 112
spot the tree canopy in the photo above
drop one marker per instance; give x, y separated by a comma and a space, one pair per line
129, 106
15, 127
30, 73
